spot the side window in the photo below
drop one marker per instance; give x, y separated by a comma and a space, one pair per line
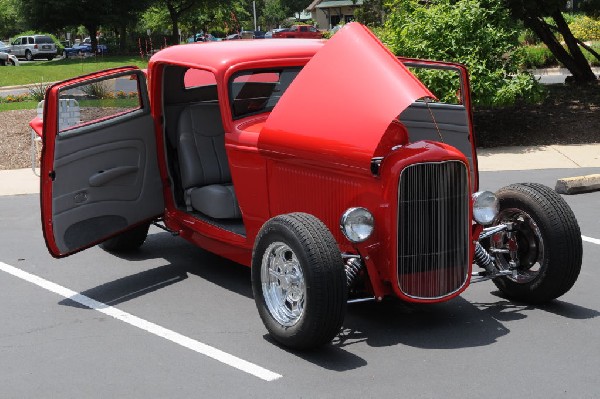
24, 40
16, 42
312, 29
256, 91
444, 83
293, 29
98, 101
30, 39
198, 78
303, 29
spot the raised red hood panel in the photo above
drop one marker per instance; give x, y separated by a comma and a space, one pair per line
341, 103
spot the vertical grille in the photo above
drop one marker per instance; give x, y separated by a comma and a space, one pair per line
433, 229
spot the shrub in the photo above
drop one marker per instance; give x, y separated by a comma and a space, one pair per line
97, 90
585, 28
477, 33
37, 91
538, 56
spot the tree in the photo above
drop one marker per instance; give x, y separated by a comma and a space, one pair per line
56, 14
295, 6
273, 13
477, 33
370, 13
125, 13
533, 13
11, 21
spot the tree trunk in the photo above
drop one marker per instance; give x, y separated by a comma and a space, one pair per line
123, 37
585, 73
175, 23
92, 29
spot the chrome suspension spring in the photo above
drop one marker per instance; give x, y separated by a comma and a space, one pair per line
353, 267
483, 258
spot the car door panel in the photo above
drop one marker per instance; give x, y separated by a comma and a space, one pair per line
104, 177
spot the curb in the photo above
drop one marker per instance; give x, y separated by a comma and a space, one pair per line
578, 184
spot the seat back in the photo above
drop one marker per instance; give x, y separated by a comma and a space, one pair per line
201, 146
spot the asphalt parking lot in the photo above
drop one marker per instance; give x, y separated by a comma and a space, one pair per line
175, 321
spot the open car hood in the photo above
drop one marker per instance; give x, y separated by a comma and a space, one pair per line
340, 106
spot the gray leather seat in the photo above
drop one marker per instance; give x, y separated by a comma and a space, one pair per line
205, 174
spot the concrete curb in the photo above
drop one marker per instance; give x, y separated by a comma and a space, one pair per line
578, 184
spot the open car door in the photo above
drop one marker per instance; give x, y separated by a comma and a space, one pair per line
99, 168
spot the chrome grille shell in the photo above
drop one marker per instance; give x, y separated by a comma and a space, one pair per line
433, 229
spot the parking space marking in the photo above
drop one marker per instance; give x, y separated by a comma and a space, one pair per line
145, 325
590, 239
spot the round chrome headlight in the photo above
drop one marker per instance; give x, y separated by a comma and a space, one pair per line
357, 224
485, 207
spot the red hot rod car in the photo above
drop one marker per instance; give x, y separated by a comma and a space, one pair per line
325, 166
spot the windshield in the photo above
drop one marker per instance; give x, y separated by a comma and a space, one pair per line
256, 91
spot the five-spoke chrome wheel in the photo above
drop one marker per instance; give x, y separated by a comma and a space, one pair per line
283, 284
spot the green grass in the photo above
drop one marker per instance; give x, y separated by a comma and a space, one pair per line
111, 103
19, 105
52, 71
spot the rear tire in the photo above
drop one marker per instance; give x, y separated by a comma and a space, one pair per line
127, 241
50, 57
28, 55
298, 280
548, 239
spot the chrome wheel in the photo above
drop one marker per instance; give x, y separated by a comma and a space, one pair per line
283, 284
521, 249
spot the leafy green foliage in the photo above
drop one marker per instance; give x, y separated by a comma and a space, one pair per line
537, 56
11, 21
585, 28
477, 33
370, 13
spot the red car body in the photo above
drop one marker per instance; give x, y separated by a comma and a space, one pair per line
289, 152
299, 32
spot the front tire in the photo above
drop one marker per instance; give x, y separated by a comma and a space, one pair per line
298, 281
127, 241
547, 240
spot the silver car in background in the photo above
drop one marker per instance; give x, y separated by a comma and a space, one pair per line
32, 47
6, 58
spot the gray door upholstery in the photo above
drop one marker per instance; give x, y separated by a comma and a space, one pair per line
106, 179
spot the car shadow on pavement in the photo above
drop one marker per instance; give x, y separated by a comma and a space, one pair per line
449, 325
182, 259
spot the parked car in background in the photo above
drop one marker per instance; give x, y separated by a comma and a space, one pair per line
4, 47
233, 36
373, 195
6, 58
259, 34
83, 48
32, 47
269, 34
300, 31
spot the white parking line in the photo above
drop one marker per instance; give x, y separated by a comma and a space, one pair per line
590, 239
145, 325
